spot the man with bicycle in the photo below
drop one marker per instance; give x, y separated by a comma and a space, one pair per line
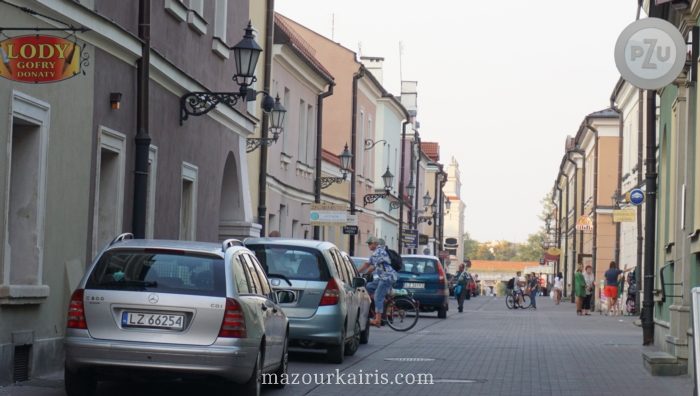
380, 263
518, 285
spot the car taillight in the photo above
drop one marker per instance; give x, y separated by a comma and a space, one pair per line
441, 273
76, 311
331, 294
233, 325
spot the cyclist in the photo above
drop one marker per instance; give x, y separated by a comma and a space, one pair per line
518, 289
380, 263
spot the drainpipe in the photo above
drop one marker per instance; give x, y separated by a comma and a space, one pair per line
595, 197
401, 175
566, 234
319, 150
353, 178
418, 195
576, 193
142, 139
558, 225
640, 169
619, 175
262, 176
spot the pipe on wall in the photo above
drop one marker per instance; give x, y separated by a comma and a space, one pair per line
353, 137
319, 150
262, 175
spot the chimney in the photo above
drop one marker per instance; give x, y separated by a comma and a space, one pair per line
375, 65
409, 97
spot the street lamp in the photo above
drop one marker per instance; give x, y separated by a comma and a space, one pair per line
388, 181
345, 158
245, 54
448, 203
411, 190
426, 199
277, 114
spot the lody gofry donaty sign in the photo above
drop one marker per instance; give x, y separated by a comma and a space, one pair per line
40, 59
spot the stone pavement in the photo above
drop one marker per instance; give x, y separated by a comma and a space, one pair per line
487, 350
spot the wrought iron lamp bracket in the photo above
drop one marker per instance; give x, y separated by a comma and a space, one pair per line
371, 198
251, 144
328, 181
369, 143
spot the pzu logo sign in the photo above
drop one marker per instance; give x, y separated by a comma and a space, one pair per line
650, 53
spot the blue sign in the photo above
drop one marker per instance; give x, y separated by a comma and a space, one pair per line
636, 196
410, 238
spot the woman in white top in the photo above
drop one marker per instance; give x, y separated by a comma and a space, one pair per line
558, 287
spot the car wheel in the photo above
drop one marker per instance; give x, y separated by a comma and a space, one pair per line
364, 336
442, 313
336, 353
354, 343
79, 384
252, 387
281, 373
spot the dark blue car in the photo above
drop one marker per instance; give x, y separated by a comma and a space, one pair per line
425, 278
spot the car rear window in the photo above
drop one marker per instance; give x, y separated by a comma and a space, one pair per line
292, 261
420, 266
164, 271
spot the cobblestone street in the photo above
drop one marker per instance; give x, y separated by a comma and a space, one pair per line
487, 350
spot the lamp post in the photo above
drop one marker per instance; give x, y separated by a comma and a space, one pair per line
276, 117
345, 158
388, 179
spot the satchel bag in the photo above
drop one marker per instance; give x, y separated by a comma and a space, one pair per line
458, 290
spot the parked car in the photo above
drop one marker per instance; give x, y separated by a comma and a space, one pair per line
424, 276
328, 312
365, 300
175, 309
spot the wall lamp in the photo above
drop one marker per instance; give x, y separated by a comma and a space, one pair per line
369, 143
345, 158
246, 54
115, 100
388, 182
276, 114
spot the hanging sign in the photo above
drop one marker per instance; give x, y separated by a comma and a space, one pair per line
328, 214
584, 223
624, 215
40, 59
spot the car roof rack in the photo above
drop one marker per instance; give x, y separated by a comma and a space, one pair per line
121, 237
230, 242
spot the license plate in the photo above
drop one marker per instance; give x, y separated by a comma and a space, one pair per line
153, 320
414, 285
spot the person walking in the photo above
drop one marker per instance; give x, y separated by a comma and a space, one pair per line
534, 286
579, 289
589, 279
612, 278
462, 280
558, 287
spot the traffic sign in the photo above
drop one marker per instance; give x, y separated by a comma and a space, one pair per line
650, 53
636, 196
350, 229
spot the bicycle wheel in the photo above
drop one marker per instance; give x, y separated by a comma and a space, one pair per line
526, 302
510, 301
402, 314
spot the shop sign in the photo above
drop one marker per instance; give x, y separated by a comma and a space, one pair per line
624, 215
328, 214
584, 223
40, 59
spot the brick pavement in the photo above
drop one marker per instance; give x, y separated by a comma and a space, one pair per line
487, 350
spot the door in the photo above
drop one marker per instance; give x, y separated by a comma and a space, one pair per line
351, 300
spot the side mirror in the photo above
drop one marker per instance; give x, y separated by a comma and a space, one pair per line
359, 282
285, 296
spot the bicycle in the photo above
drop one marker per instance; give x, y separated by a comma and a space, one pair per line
401, 311
512, 302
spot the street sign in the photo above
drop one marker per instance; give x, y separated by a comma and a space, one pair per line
636, 196
624, 215
443, 254
352, 219
328, 214
350, 229
410, 239
650, 53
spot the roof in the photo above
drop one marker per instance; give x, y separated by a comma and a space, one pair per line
501, 266
605, 113
432, 150
285, 34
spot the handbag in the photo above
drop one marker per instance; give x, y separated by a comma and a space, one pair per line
458, 290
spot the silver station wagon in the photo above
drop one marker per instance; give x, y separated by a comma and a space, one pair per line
175, 309
331, 308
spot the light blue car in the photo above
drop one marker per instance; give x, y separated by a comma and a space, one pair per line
331, 306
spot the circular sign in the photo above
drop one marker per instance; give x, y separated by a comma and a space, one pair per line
650, 53
636, 196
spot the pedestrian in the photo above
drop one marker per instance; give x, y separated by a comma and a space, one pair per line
612, 278
274, 234
462, 280
380, 263
589, 278
534, 286
579, 289
558, 287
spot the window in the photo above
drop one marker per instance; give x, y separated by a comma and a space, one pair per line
295, 228
285, 103
291, 261
219, 45
109, 194
239, 276
255, 282
24, 204
367, 164
151, 193
301, 156
255, 266
310, 136
188, 202
283, 220
361, 144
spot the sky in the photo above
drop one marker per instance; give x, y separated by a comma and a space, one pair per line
500, 85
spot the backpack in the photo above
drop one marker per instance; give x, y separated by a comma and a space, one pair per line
396, 261
511, 284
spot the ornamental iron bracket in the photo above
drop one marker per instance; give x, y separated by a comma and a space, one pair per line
371, 198
328, 181
251, 144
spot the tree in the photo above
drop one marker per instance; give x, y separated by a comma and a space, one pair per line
504, 250
483, 252
470, 246
532, 249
